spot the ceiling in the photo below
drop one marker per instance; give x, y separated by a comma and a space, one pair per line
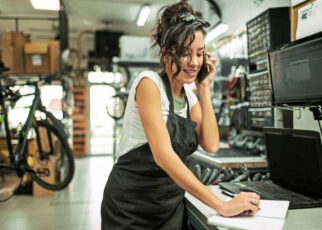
121, 15
114, 15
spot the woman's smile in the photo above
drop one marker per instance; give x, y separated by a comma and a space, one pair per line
191, 73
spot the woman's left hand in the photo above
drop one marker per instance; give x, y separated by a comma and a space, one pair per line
211, 62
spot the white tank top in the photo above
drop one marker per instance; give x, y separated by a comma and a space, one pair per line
133, 134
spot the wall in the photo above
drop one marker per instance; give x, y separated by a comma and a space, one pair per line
236, 13
303, 119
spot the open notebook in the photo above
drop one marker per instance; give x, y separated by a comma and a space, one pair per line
271, 215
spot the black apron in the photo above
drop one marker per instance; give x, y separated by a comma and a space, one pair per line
139, 194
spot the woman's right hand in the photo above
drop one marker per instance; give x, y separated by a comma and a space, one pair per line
243, 202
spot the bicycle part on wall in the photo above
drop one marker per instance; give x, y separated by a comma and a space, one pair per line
116, 105
121, 78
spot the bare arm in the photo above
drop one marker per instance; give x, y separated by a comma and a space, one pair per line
207, 128
148, 100
203, 113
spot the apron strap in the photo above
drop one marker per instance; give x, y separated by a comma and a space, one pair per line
169, 94
188, 107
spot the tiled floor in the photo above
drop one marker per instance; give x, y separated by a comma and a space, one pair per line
75, 208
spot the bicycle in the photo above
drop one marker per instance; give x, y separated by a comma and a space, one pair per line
52, 154
115, 105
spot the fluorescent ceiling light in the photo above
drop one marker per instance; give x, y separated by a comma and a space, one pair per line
215, 32
45, 4
144, 14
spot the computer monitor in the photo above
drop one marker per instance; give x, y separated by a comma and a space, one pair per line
296, 72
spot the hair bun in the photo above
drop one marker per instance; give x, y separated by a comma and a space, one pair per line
183, 17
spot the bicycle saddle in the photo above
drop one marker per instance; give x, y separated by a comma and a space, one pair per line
3, 68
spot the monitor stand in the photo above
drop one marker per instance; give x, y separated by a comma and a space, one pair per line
317, 114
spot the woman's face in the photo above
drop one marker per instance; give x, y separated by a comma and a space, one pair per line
191, 62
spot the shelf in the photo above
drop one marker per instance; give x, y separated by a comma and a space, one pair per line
79, 121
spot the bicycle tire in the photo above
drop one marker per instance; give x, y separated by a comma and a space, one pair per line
115, 107
123, 78
57, 158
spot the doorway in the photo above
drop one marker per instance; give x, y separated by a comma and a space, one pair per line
101, 124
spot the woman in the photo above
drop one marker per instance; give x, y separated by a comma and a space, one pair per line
163, 123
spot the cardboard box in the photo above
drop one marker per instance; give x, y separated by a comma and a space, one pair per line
4, 152
37, 190
12, 46
36, 58
54, 56
294, 17
45, 145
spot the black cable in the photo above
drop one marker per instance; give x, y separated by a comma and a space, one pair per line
320, 126
215, 7
317, 114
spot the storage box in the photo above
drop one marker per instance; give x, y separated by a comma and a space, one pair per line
312, 24
54, 56
37, 163
13, 51
4, 152
37, 190
36, 58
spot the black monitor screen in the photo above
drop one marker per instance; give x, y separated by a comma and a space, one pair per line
296, 72
294, 157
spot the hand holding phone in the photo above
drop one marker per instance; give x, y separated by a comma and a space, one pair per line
204, 70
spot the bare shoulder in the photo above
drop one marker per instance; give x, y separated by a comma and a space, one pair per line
147, 89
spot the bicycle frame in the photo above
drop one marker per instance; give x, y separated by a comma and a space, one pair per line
17, 158
52, 155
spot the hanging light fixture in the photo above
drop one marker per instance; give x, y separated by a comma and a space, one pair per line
143, 15
221, 28
45, 4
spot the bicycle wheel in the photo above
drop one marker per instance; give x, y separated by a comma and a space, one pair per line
115, 107
53, 160
122, 77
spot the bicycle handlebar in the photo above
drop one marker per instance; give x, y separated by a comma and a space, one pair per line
12, 95
42, 79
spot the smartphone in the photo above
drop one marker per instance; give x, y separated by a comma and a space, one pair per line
204, 70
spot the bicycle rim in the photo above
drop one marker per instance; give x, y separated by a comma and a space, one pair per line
53, 160
122, 77
115, 107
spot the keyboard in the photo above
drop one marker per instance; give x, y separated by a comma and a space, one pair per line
267, 190
224, 152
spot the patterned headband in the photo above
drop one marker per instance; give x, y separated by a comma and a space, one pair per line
181, 20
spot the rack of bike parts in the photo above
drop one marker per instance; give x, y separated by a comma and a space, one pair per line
213, 170
260, 111
267, 30
79, 118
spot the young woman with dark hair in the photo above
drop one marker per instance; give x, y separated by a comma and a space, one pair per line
164, 122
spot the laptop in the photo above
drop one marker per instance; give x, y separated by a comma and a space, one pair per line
295, 163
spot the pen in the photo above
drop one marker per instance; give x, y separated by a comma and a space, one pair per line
228, 194
232, 196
